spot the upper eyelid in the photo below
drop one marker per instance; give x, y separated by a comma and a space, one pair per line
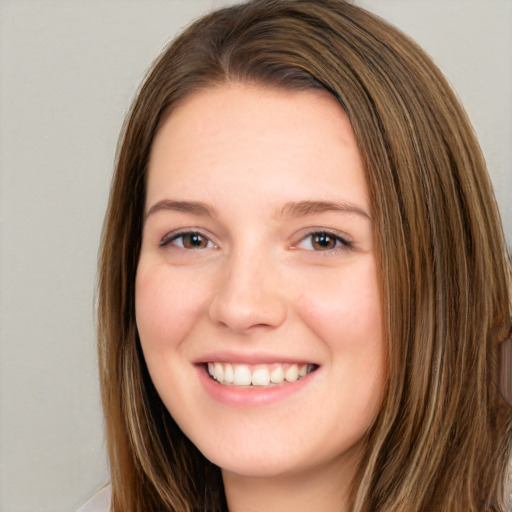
329, 231
343, 243
176, 233
298, 237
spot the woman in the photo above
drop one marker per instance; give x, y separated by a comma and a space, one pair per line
304, 280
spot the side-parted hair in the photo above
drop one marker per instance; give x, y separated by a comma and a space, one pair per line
442, 440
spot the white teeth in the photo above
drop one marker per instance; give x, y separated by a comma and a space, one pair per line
219, 371
277, 375
292, 373
259, 375
228, 374
242, 375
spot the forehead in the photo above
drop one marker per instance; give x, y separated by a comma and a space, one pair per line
245, 137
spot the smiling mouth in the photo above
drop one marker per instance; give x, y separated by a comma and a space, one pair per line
260, 375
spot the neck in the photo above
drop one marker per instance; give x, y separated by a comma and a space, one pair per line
326, 489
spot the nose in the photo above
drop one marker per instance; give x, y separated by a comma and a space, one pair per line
247, 294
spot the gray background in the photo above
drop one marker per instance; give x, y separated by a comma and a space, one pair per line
68, 71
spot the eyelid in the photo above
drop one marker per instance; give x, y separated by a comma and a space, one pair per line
169, 237
344, 241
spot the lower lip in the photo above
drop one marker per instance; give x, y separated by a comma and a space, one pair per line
235, 396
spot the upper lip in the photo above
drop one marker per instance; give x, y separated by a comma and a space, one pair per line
251, 358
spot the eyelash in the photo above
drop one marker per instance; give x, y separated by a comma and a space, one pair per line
171, 238
341, 243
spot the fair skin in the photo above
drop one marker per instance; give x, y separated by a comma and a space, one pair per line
257, 297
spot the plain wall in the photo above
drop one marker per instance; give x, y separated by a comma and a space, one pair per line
68, 71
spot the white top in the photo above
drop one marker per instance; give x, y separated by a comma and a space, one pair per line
100, 502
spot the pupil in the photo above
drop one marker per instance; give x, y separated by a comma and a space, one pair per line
324, 241
195, 240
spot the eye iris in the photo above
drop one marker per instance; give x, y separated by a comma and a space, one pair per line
323, 241
194, 241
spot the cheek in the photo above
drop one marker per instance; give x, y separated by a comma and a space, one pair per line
345, 306
165, 307
346, 313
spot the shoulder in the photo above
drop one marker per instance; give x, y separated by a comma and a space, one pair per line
100, 502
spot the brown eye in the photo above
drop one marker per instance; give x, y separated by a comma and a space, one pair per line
323, 241
194, 241
190, 240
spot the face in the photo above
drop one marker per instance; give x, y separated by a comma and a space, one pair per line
257, 297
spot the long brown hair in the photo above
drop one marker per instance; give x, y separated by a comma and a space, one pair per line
442, 441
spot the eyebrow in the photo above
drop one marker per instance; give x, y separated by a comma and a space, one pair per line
290, 209
303, 208
193, 207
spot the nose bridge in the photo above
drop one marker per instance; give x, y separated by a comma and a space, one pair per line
247, 292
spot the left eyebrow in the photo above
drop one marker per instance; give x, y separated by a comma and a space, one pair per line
193, 207
302, 208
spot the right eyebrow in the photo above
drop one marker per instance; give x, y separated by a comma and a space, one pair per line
303, 208
193, 207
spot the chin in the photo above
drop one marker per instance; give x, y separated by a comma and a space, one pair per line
258, 467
